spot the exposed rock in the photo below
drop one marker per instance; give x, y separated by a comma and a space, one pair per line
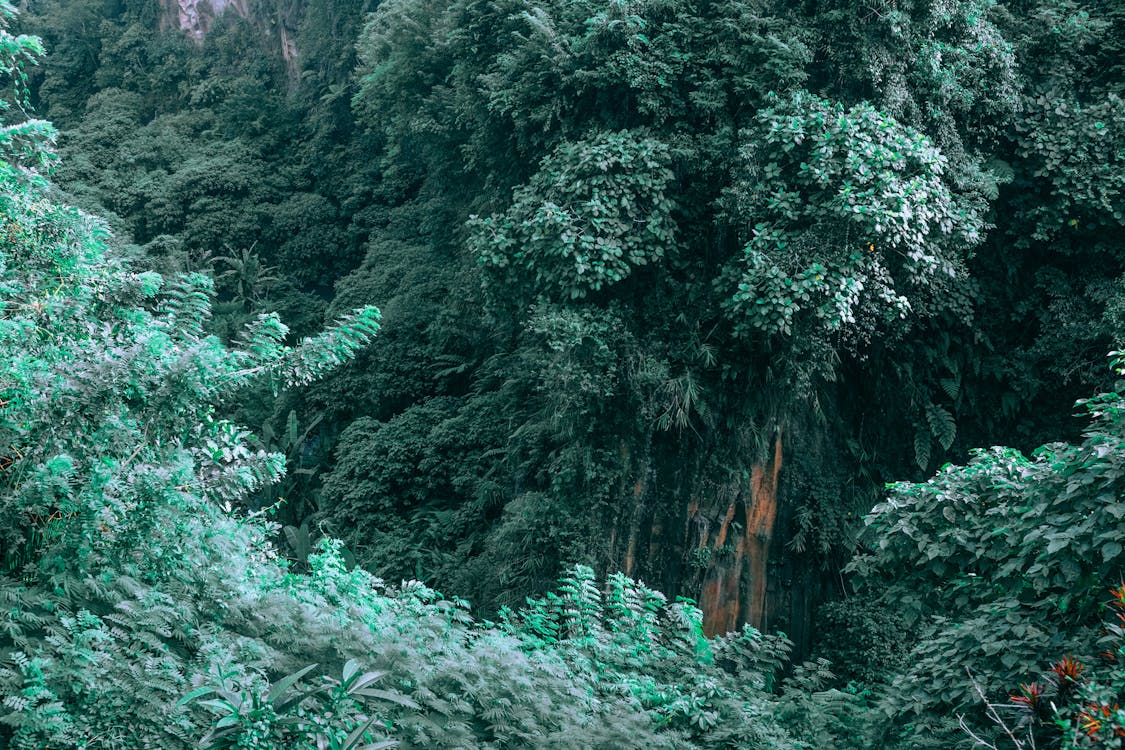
196, 17
738, 553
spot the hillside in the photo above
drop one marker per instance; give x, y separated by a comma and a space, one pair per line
729, 298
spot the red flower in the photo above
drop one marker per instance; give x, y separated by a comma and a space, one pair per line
1068, 668
1029, 696
1090, 724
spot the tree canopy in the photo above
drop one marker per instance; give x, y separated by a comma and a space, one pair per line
696, 294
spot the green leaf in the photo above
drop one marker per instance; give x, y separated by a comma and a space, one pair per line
922, 449
942, 425
284, 684
197, 693
388, 696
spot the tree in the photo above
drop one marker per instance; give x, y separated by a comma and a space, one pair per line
681, 250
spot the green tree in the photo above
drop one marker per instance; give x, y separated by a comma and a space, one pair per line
682, 253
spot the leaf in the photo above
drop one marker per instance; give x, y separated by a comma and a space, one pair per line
389, 697
364, 680
942, 425
351, 667
922, 449
282, 685
951, 386
197, 693
356, 736
220, 704
1057, 544
290, 430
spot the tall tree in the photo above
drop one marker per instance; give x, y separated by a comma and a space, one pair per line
681, 253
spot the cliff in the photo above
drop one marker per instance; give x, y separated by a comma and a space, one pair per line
196, 18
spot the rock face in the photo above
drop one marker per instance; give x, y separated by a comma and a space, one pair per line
719, 539
738, 553
196, 17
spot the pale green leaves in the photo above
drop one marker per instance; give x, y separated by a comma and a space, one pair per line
316, 355
853, 217
596, 210
263, 355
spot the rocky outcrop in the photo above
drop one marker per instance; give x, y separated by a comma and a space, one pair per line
196, 17
721, 543
738, 552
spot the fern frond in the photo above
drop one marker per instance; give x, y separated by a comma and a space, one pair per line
317, 355
185, 306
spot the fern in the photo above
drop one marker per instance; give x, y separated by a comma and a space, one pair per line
317, 355
185, 306
942, 425
922, 445
581, 604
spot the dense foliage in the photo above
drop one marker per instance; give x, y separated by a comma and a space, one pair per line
1004, 564
142, 610
668, 290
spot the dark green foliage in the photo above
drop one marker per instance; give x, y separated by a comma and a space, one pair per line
1074, 704
140, 609
1076, 149
619, 248
1001, 564
865, 641
659, 202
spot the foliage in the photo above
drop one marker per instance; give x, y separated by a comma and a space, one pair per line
947, 68
1000, 562
141, 609
596, 210
117, 473
856, 222
886, 230
1077, 148
631, 641
1084, 703
1072, 704
291, 712
620, 169
865, 642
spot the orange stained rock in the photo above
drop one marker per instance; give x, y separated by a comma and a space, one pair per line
721, 596
760, 519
